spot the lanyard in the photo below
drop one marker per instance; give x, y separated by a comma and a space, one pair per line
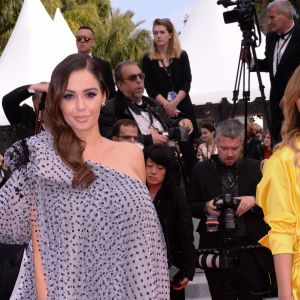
279, 49
168, 72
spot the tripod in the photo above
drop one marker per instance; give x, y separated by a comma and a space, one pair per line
248, 48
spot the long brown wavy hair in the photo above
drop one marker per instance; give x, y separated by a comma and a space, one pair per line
290, 131
68, 145
174, 48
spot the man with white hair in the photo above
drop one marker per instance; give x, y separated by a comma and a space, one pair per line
282, 56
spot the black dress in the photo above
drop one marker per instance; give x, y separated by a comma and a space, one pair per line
157, 82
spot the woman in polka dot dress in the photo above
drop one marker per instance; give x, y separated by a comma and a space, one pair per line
81, 203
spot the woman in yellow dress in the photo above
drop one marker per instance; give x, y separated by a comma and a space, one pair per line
278, 194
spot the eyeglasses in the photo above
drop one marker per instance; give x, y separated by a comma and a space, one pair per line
83, 38
129, 137
133, 77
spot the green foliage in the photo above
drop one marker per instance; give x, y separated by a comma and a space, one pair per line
9, 11
122, 40
117, 36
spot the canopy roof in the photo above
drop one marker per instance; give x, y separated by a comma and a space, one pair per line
37, 44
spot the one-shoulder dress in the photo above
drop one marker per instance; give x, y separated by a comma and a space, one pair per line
99, 243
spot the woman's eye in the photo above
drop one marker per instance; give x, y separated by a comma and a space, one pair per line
68, 96
91, 94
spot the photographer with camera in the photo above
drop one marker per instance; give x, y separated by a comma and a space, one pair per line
222, 190
155, 127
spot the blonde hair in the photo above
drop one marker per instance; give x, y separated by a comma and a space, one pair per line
290, 131
174, 48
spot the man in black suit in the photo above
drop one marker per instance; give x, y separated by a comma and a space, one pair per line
85, 42
228, 173
152, 121
282, 56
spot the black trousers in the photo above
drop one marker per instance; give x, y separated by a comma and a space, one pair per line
10, 262
248, 282
177, 295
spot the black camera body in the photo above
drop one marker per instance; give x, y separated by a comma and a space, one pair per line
242, 13
227, 205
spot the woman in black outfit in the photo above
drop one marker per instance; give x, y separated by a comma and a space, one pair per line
163, 178
168, 73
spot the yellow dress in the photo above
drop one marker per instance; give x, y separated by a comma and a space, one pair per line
278, 194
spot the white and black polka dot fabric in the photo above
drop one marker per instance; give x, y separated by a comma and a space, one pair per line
100, 243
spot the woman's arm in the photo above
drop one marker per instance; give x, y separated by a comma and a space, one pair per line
283, 268
39, 277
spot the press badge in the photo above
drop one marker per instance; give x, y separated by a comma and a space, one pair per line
171, 95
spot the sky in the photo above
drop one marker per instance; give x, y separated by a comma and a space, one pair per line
176, 10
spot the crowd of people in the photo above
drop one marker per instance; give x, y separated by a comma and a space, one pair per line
98, 193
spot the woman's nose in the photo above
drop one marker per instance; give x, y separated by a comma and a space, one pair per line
80, 103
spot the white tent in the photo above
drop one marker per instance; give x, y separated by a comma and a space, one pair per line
64, 34
33, 50
213, 48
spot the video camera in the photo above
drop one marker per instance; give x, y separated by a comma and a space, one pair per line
227, 205
243, 13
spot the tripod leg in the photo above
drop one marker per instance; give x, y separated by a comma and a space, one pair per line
261, 88
237, 84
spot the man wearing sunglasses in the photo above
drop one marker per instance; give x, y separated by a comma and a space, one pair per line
153, 123
85, 42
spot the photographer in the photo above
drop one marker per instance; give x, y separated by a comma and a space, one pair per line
155, 127
228, 173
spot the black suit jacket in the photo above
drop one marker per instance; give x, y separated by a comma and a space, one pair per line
17, 114
288, 63
176, 220
107, 75
117, 108
205, 185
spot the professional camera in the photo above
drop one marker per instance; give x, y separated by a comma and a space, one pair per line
220, 259
242, 13
179, 134
227, 205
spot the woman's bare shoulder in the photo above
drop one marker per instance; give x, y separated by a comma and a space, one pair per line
128, 158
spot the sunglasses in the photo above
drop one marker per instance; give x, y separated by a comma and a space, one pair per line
133, 77
83, 38
163, 20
